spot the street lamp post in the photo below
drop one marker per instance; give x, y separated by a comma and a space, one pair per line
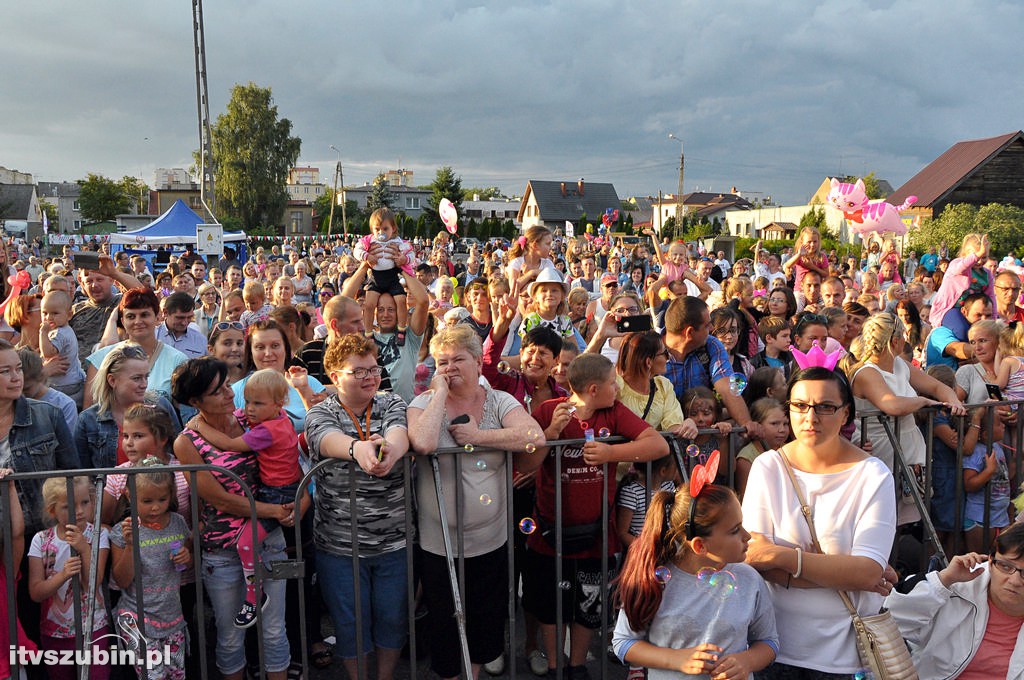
679, 191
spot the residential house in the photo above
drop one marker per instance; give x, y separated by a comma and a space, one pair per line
64, 197
976, 171
552, 204
703, 204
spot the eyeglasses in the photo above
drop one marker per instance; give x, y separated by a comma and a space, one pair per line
233, 325
1007, 568
823, 409
362, 373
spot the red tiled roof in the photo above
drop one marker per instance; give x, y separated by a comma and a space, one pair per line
947, 171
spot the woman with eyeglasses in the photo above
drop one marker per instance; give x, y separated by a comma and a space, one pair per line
853, 510
963, 621
364, 431
883, 381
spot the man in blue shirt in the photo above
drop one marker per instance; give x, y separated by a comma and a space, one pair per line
948, 344
696, 358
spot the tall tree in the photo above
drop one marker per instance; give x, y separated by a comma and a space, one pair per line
253, 150
137, 193
448, 185
381, 195
101, 198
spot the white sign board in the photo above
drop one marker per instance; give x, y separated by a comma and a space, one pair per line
209, 239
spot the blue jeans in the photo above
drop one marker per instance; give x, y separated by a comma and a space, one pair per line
383, 594
222, 578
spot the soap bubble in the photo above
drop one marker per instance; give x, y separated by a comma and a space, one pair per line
662, 574
527, 525
723, 583
604, 433
530, 447
468, 448
485, 499
480, 464
692, 450
565, 585
704, 575
504, 368
737, 383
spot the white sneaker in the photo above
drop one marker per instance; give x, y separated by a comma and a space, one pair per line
496, 667
538, 663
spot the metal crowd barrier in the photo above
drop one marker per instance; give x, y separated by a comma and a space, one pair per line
295, 568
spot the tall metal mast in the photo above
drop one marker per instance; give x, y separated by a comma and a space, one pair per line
206, 168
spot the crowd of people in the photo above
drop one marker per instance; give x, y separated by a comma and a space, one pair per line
367, 351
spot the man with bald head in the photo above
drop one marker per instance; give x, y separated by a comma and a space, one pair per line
342, 315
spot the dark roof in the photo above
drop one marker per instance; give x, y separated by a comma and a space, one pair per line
16, 201
596, 198
946, 172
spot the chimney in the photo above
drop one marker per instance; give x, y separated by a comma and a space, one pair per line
563, 189
579, 187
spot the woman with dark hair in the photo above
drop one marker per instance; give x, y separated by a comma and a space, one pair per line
853, 504
202, 384
782, 303
643, 387
917, 331
138, 315
267, 346
975, 601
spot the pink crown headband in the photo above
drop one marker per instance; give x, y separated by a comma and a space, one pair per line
816, 357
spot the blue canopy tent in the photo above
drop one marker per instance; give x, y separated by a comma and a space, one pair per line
172, 230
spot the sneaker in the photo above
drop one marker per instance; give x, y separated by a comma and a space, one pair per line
246, 616
496, 667
538, 663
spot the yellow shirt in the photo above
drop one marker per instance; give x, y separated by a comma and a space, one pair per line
665, 411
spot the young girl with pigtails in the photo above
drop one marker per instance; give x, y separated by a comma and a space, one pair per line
689, 605
529, 254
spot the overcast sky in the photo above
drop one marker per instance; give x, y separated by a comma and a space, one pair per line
768, 96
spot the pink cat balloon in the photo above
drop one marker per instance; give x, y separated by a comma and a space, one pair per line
449, 216
868, 217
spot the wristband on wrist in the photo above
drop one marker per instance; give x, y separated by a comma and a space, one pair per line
799, 563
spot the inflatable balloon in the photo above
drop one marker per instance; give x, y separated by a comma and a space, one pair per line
21, 281
868, 218
449, 216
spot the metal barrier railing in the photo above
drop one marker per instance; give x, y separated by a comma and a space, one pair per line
455, 549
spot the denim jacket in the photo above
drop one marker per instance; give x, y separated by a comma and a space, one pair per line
40, 441
96, 434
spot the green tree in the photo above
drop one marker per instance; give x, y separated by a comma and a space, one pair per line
448, 185
253, 150
137, 193
380, 196
101, 198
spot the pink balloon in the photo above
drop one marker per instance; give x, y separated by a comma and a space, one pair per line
449, 216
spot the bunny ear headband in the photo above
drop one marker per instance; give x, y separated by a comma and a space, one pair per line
701, 476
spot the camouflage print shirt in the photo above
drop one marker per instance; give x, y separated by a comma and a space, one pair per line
380, 501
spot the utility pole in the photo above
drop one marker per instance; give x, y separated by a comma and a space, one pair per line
679, 191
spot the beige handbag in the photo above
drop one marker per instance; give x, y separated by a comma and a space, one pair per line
880, 644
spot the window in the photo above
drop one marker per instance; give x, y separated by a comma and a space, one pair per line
412, 202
